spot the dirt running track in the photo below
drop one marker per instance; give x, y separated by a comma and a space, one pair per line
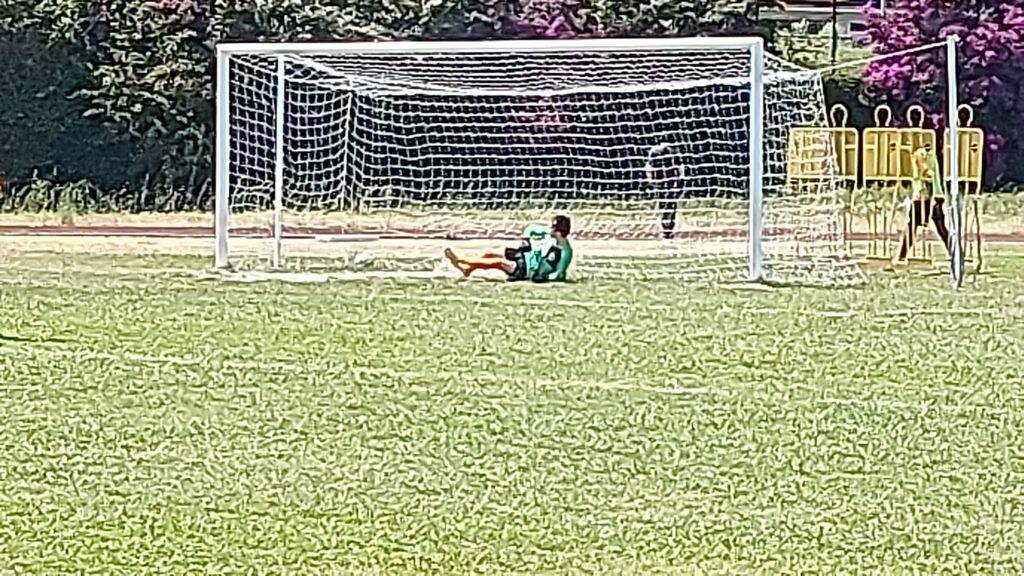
1016, 237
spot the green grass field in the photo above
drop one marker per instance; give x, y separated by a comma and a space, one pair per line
153, 422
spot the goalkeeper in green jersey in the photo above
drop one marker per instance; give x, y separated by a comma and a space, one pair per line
544, 255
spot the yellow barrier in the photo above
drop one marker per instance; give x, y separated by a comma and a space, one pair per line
881, 150
881, 170
823, 152
890, 173
820, 155
895, 179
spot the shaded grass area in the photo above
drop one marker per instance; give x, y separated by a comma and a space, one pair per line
161, 423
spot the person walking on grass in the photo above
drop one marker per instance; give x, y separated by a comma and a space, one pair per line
928, 191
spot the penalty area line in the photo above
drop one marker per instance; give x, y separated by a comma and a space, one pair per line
299, 368
50, 351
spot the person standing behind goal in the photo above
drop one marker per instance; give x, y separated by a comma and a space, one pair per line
664, 175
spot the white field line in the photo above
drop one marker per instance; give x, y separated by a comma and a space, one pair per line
921, 407
414, 299
319, 277
304, 278
430, 375
837, 314
362, 371
71, 269
939, 312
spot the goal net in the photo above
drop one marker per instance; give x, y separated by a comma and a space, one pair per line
668, 155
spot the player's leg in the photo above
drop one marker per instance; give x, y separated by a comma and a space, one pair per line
454, 260
667, 207
489, 261
472, 265
914, 220
939, 219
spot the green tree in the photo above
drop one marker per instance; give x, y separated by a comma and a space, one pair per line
671, 17
44, 130
149, 65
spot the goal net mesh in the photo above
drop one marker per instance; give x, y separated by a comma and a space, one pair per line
646, 151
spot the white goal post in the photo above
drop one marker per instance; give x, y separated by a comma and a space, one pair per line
473, 138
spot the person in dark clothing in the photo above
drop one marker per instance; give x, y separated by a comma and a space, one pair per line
920, 211
664, 174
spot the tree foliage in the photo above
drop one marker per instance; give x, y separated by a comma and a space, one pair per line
42, 129
991, 67
147, 66
634, 18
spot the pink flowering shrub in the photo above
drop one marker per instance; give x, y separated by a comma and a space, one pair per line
990, 70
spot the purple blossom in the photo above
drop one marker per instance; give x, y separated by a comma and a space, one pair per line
991, 68
547, 18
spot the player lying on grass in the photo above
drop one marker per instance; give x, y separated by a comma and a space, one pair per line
927, 202
543, 256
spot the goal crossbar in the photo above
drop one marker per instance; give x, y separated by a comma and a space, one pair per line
493, 46
337, 79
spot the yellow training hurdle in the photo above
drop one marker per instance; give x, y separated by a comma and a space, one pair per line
818, 155
891, 179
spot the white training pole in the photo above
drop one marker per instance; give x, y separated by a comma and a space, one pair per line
756, 254
223, 153
956, 250
279, 160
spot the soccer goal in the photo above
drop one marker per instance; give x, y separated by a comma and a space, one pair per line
669, 155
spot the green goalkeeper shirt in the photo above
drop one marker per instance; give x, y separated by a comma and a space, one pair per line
540, 269
536, 233
562, 270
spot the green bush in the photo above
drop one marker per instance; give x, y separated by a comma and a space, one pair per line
43, 126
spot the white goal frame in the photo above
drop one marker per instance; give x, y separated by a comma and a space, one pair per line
752, 45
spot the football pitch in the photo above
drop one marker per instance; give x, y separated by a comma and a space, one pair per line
154, 420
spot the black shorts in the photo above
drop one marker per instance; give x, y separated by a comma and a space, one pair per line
518, 268
518, 259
